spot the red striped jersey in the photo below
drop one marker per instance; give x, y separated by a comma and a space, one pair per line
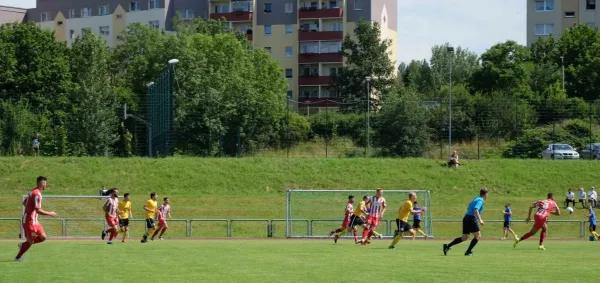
544, 207
377, 206
163, 210
113, 205
349, 211
32, 204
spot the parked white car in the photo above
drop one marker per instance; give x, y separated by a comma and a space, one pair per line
560, 151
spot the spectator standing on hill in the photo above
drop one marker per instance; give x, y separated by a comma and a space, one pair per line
36, 145
582, 197
570, 198
593, 196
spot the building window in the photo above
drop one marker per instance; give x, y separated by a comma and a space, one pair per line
592, 25
331, 47
71, 33
590, 4
105, 30
60, 23
134, 6
219, 9
44, 17
86, 12
569, 14
154, 24
153, 4
288, 29
119, 16
71, 13
268, 30
309, 47
358, 4
544, 5
268, 7
288, 51
333, 4
103, 10
289, 8
288, 73
544, 29
290, 94
241, 6
188, 14
335, 71
336, 27
268, 49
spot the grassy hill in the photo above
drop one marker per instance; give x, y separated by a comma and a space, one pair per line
255, 187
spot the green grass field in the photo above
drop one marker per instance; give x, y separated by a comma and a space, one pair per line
255, 188
298, 261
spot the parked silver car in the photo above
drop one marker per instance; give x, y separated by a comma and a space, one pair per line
591, 151
560, 151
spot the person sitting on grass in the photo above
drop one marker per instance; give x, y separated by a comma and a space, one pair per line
453, 162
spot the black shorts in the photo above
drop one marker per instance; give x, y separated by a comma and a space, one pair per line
402, 226
356, 221
124, 222
149, 223
592, 227
417, 223
470, 225
506, 224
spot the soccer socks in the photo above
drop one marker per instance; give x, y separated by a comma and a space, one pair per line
38, 240
355, 235
542, 237
596, 235
150, 231
455, 242
339, 230
396, 240
155, 233
113, 233
24, 247
376, 233
365, 233
163, 231
125, 235
526, 236
371, 233
472, 245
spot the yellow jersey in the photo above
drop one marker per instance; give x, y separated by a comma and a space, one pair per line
124, 209
150, 204
358, 209
405, 210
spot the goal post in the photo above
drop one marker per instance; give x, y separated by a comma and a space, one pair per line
86, 215
313, 213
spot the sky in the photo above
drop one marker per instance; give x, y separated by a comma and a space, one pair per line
472, 24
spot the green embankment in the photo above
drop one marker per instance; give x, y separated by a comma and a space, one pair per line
255, 188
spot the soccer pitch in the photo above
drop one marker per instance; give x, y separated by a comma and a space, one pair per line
298, 261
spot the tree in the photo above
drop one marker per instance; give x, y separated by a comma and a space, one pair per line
580, 46
505, 67
401, 126
367, 56
93, 123
462, 61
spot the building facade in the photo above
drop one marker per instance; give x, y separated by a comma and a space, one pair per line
11, 14
553, 17
304, 36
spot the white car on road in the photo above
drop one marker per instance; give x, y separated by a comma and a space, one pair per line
560, 151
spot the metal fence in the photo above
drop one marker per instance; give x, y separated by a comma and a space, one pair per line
259, 228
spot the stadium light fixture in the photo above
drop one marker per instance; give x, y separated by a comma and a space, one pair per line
173, 61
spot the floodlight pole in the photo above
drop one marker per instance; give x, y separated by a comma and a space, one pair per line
148, 125
368, 115
450, 49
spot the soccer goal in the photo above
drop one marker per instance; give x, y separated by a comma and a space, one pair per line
313, 213
76, 216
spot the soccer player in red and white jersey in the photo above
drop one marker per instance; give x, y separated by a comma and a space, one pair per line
111, 208
163, 211
544, 209
34, 232
378, 207
346, 222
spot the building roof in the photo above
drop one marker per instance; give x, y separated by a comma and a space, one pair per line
13, 9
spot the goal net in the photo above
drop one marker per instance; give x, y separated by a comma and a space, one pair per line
313, 213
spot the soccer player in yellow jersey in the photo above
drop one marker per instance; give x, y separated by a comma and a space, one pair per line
150, 209
355, 220
402, 220
124, 215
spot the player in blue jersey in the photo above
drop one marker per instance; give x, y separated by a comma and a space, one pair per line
471, 223
417, 221
507, 222
592, 219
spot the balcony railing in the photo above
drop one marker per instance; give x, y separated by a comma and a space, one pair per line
241, 16
314, 80
314, 13
304, 58
320, 35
